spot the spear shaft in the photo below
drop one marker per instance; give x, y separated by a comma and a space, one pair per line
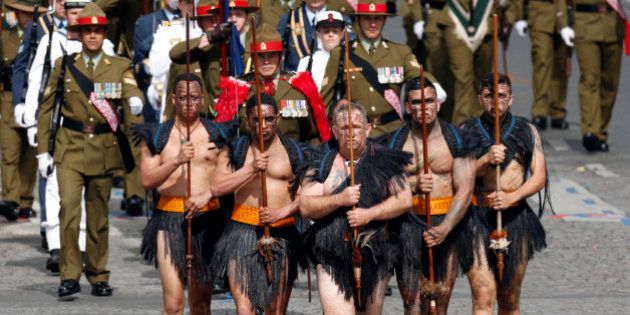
497, 135
189, 254
427, 196
261, 146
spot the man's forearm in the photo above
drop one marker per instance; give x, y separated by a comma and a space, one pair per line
224, 184
317, 207
393, 207
155, 177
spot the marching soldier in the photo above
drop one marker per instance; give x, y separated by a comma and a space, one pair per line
67, 41
301, 111
18, 162
425, 22
551, 39
123, 15
88, 145
599, 29
298, 32
469, 48
378, 68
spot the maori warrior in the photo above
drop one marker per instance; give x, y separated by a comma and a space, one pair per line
521, 160
381, 193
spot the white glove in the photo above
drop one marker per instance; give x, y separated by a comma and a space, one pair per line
521, 27
418, 29
31, 133
135, 103
18, 113
441, 94
44, 163
567, 35
153, 97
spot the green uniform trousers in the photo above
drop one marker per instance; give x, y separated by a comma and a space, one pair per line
549, 76
600, 66
437, 63
467, 68
97, 192
19, 165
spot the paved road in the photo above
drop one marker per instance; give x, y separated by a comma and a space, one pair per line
584, 270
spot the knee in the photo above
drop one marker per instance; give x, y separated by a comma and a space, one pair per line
590, 80
483, 299
173, 305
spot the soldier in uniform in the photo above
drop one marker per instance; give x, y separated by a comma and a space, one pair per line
239, 14
88, 146
274, 9
122, 15
469, 47
143, 38
378, 68
550, 35
64, 41
301, 110
425, 22
18, 162
297, 28
599, 31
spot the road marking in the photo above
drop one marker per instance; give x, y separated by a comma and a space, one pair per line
572, 202
558, 144
600, 170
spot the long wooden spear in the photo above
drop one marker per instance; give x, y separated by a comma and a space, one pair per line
356, 246
427, 196
265, 244
499, 236
189, 254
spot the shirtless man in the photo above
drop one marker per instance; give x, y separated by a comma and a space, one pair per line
450, 183
165, 156
520, 153
381, 193
238, 172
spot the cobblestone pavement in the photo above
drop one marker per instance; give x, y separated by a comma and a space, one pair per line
583, 271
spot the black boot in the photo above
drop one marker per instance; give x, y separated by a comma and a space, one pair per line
26, 213
133, 206
52, 264
9, 210
68, 287
102, 289
561, 124
540, 122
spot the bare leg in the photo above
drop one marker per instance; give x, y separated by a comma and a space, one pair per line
199, 297
375, 301
509, 298
243, 305
411, 305
448, 284
172, 286
332, 300
482, 283
281, 301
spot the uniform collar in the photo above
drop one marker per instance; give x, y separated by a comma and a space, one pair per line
310, 15
366, 43
96, 59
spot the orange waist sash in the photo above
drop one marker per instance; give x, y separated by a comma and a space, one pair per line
438, 206
487, 201
249, 215
176, 204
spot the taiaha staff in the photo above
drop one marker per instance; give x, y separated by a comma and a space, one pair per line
356, 247
189, 254
427, 196
498, 238
223, 18
264, 244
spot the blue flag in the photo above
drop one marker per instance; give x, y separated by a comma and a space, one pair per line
235, 50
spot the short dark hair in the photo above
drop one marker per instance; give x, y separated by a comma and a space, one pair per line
487, 82
265, 99
344, 108
187, 77
414, 84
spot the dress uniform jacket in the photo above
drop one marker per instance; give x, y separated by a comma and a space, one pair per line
122, 15
298, 36
388, 56
44, 24
88, 153
274, 9
290, 101
19, 167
